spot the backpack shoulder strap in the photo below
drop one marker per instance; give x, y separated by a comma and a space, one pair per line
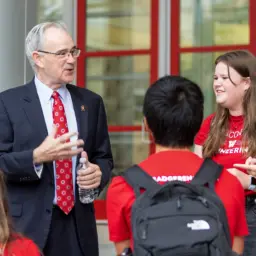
137, 179
208, 173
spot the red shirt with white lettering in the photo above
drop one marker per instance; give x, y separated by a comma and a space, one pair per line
231, 151
172, 165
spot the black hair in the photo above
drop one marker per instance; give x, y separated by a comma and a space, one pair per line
173, 108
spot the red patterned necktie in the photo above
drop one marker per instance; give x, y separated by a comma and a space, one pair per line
64, 184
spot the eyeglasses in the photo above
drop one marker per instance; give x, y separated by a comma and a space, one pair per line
75, 52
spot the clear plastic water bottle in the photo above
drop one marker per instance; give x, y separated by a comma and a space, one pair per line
86, 196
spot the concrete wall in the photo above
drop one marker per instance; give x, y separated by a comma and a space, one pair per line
16, 19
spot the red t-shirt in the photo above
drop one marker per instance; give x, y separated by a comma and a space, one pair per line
21, 246
230, 152
172, 165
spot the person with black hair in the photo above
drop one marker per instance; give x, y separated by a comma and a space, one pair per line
173, 113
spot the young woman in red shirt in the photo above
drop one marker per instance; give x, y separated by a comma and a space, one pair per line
12, 243
229, 135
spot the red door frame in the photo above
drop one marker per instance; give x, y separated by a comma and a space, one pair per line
81, 66
176, 50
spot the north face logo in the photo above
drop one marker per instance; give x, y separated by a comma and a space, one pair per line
199, 225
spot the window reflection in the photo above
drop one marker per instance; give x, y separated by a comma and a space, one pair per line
50, 10
214, 22
117, 25
122, 82
127, 149
199, 67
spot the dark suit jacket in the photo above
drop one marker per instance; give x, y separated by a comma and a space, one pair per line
22, 129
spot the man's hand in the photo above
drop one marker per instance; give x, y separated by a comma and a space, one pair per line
244, 178
53, 148
89, 178
249, 166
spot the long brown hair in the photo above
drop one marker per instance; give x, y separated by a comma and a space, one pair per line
244, 63
6, 228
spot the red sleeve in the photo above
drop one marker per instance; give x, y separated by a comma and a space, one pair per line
204, 131
32, 249
119, 200
241, 228
23, 246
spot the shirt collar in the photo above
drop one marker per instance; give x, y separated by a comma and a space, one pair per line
46, 93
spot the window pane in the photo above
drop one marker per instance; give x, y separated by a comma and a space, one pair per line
211, 22
117, 25
50, 10
128, 148
122, 82
199, 67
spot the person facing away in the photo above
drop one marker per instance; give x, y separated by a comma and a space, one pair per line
228, 135
173, 113
12, 243
45, 125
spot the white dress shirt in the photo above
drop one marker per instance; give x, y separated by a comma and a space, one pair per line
44, 94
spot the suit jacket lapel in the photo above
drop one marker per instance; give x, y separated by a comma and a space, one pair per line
33, 110
34, 113
81, 111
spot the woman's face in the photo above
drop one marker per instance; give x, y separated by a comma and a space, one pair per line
229, 94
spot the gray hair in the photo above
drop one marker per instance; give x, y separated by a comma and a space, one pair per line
34, 40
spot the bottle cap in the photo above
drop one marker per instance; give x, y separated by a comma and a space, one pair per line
82, 160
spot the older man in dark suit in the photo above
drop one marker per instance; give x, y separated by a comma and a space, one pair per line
45, 125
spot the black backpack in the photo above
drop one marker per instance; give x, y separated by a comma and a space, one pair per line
179, 218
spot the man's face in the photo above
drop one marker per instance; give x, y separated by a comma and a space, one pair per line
56, 69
